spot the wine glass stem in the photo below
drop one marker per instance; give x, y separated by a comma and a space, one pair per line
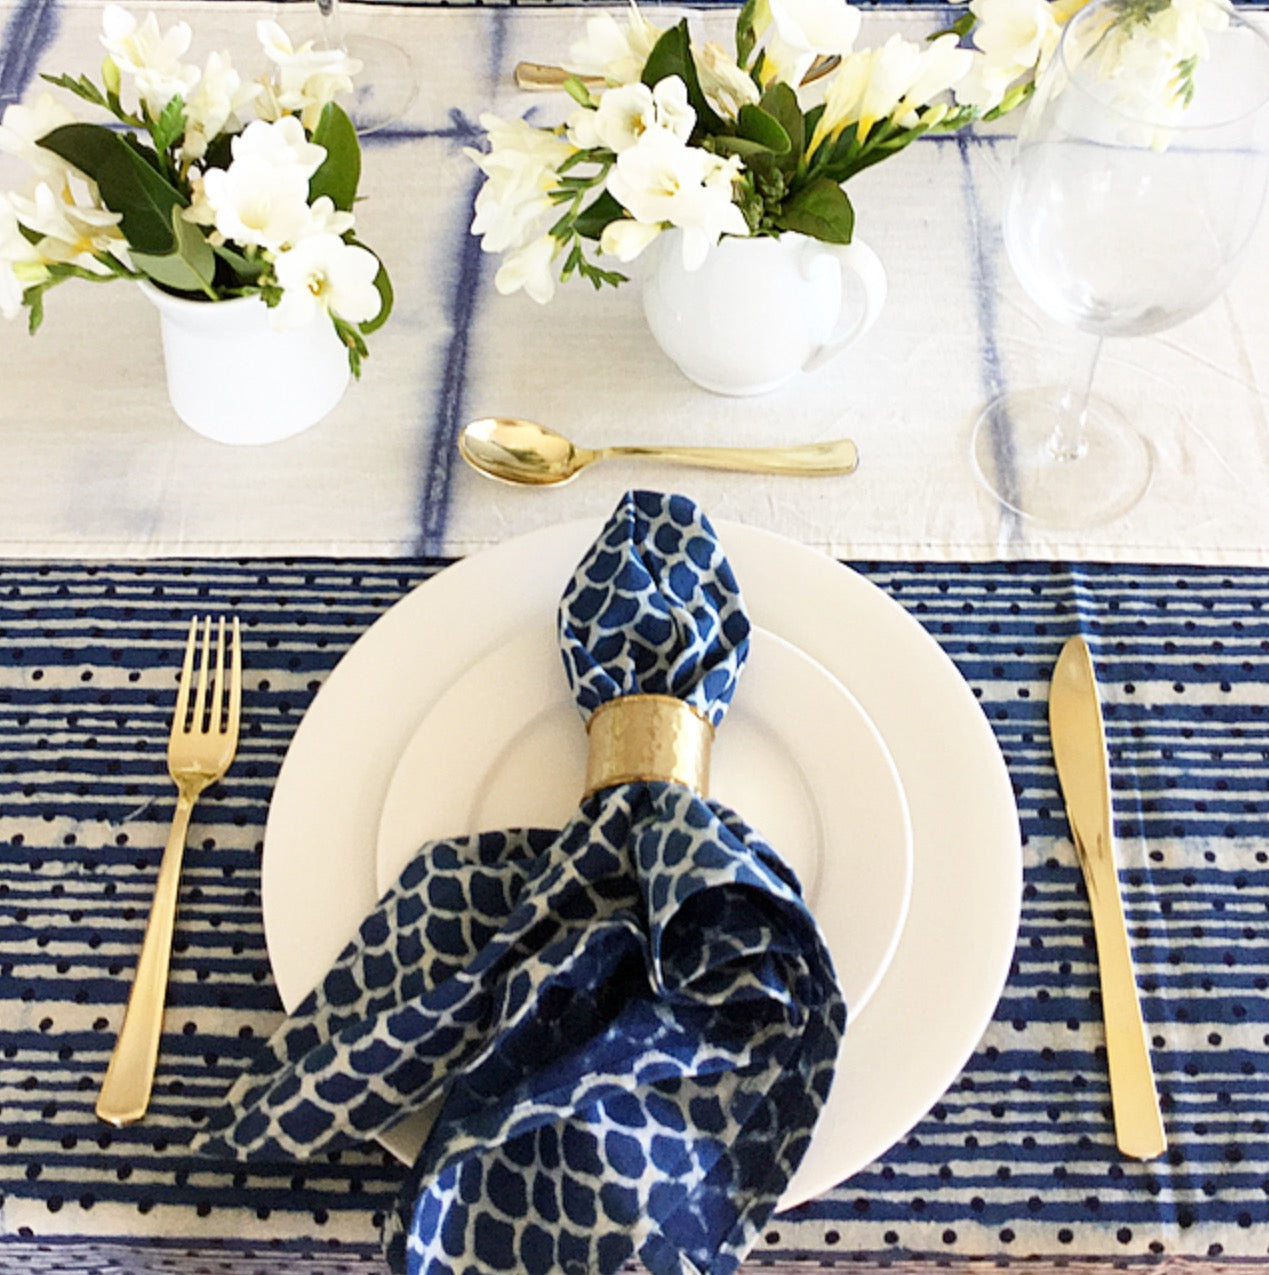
332, 23
1069, 440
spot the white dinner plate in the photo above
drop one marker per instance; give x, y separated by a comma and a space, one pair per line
937, 995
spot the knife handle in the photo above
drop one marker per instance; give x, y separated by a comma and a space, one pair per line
1138, 1121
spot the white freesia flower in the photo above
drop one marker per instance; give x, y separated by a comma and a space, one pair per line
262, 197
215, 104
326, 219
199, 210
580, 127
280, 144
869, 85
1150, 63
152, 58
1015, 37
506, 220
660, 180
70, 233
1183, 25
257, 203
614, 53
322, 273
625, 238
726, 87
942, 65
673, 111
21, 127
801, 30
895, 66
528, 269
624, 114
20, 263
306, 79
843, 95
520, 168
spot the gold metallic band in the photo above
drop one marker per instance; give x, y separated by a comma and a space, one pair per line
648, 737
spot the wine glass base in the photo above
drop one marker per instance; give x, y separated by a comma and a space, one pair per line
1013, 459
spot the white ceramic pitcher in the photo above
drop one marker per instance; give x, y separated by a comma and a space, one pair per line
234, 378
758, 311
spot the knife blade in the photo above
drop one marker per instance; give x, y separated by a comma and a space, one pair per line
1079, 751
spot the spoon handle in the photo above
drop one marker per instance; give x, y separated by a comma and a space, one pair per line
538, 77
840, 456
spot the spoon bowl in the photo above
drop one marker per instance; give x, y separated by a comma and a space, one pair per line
527, 454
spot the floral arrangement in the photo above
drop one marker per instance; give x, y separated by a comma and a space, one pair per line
682, 134
191, 194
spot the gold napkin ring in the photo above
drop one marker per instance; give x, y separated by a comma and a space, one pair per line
638, 738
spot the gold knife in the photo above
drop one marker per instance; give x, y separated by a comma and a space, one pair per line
1079, 749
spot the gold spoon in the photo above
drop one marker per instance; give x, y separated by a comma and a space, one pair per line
521, 452
538, 77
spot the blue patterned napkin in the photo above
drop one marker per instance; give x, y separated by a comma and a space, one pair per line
634, 1020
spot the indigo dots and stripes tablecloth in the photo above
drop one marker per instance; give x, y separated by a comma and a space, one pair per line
1015, 1161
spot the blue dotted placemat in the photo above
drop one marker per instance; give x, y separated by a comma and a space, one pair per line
1016, 1160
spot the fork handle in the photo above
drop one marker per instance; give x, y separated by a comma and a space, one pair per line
125, 1092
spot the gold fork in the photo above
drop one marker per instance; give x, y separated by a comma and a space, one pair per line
199, 750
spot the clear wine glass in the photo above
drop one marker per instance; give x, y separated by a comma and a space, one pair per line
1138, 178
384, 88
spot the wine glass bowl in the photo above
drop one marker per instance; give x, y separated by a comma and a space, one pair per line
385, 87
1138, 179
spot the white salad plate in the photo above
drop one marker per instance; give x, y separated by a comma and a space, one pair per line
941, 979
505, 747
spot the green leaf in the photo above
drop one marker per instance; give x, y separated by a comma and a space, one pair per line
191, 268
578, 91
747, 149
781, 103
746, 36
219, 152
171, 271
756, 125
168, 129
960, 28
386, 300
672, 55
821, 210
246, 270
353, 342
81, 86
340, 171
129, 185
33, 299
590, 222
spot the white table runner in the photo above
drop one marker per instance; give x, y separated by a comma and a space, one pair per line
97, 466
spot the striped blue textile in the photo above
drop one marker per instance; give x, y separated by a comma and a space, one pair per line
1015, 1160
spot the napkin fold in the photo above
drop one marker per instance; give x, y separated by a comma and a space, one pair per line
633, 1020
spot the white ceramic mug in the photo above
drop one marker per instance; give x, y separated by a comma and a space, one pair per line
758, 311
234, 378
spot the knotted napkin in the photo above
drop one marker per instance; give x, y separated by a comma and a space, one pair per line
633, 1020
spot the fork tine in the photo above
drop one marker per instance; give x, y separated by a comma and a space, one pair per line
235, 683
216, 719
200, 695
187, 677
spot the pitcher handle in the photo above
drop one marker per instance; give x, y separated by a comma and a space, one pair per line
855, 259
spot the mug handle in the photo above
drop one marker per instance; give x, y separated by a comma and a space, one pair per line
859, 260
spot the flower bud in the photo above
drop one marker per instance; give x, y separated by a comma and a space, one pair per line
110, 76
